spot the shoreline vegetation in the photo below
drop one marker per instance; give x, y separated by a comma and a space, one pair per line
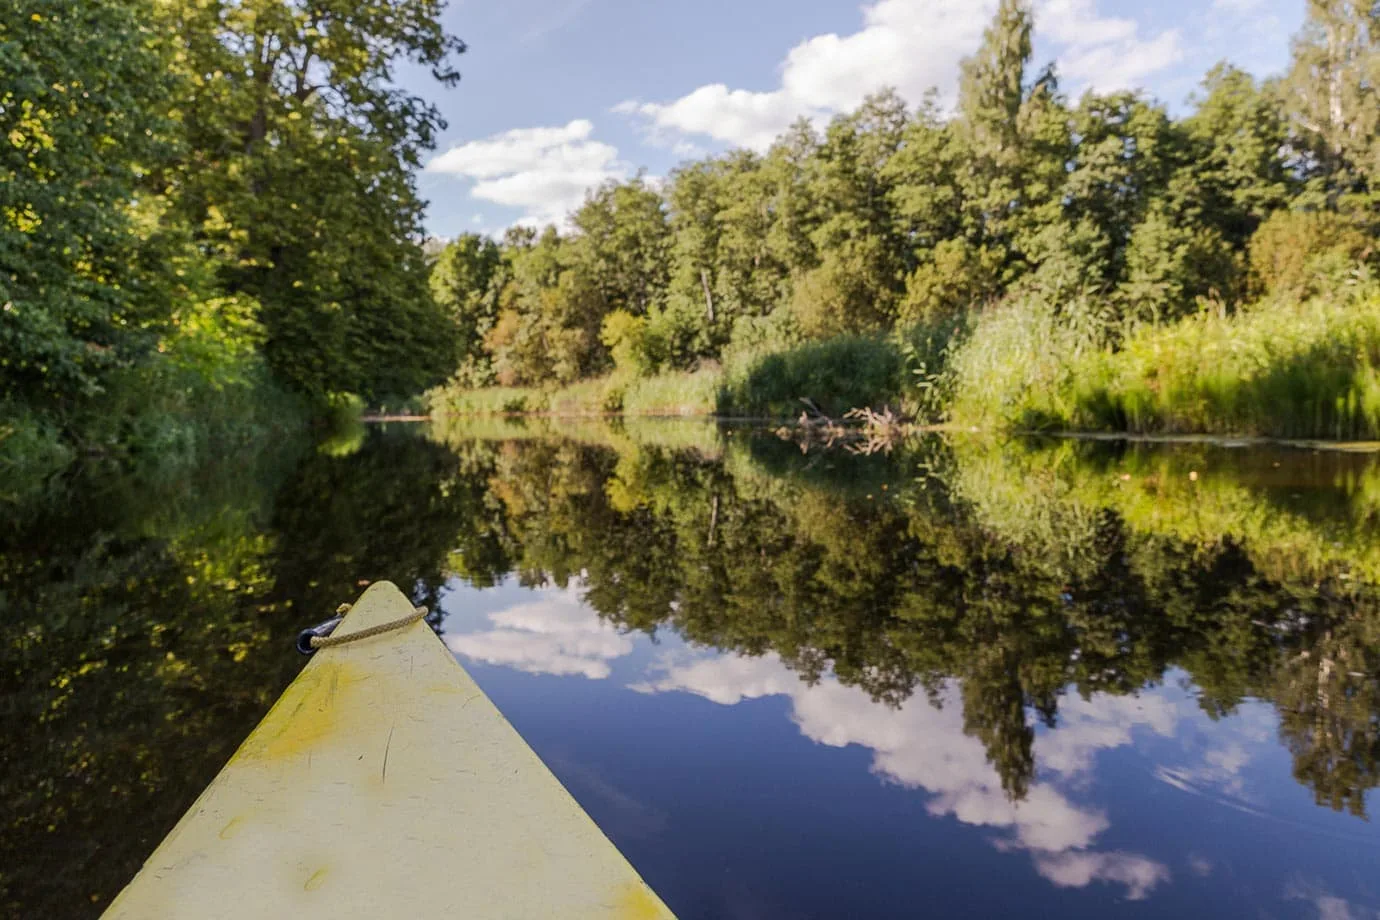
1030, 261
205, 246
203, 250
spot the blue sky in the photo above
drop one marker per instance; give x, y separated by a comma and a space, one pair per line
559, 95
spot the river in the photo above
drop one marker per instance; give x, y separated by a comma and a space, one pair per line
954, 676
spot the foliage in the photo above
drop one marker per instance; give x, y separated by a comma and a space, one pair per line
1305, 370
31, 453
1046, 228
832, 376
1061, 346
466, 282
1277, 368
675, 393
83, 102
1298, 254
206, 203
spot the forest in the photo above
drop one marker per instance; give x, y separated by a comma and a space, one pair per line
211, 230
209, 221
1021, 259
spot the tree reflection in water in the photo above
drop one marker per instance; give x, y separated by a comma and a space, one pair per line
146, 619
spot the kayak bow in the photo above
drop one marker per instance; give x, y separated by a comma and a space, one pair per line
385, 783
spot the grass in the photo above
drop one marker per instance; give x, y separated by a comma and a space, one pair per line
1276, 369
487, 401
1021, 366
684, 393
1309, 370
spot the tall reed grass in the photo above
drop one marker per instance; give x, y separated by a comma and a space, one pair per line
1277, 369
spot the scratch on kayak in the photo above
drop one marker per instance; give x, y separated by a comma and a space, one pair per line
383, 777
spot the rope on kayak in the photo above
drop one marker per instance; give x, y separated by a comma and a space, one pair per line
321, 637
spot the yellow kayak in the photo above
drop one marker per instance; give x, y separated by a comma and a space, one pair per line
384, 783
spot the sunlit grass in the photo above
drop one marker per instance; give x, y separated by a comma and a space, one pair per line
675, 393
1277, 369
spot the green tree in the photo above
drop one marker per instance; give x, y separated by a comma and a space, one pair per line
83, 103
1332, 93
863, 263
299, 174
467, 280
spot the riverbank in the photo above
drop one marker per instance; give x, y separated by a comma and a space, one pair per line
1281, 369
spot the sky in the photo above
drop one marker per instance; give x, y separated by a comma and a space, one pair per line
558, 96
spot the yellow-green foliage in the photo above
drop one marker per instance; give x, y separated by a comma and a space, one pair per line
623, 436
596, 396
1023, 365
1279, 369
487, 401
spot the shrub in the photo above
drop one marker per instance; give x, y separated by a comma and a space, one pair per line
836, 375
1301, 253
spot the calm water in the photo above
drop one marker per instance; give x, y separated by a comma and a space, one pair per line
960, 678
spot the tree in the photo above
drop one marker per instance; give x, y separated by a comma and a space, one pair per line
83, 92
1018, 142
1241, 170
623, 242
466, 282
1332, 93
299, 174
863, 262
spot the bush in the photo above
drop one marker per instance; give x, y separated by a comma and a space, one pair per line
835, 375
1303, 253
636, 351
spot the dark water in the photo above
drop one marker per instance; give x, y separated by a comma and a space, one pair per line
959, 678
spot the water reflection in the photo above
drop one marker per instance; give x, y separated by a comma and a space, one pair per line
1145, 674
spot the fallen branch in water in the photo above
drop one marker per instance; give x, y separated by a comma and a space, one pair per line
860, 431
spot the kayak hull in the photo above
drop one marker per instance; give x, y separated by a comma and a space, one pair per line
385, 783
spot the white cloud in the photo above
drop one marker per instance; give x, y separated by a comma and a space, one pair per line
554, 635
1101, 723
921, 746
543, 171
912, 45
1078, 870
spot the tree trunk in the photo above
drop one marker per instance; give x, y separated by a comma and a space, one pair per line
708, 297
